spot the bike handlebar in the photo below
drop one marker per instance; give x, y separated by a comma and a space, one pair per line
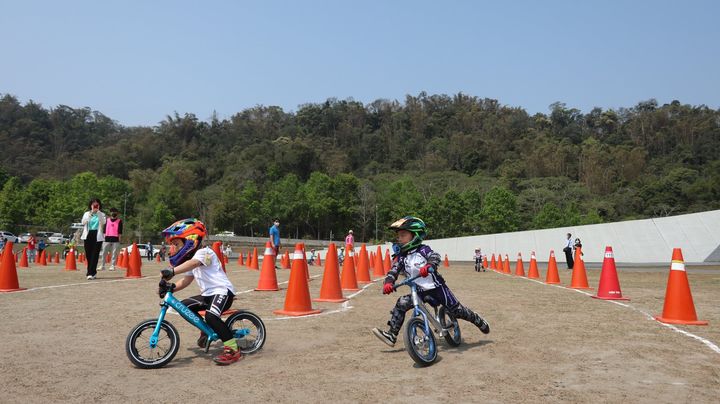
409, 280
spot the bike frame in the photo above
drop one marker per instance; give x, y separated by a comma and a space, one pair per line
419, 308
171, 301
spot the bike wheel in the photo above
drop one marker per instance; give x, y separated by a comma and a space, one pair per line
137, 345
450, 323
254, 328
420, 345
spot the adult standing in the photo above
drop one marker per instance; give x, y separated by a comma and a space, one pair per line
568, 250
113, 232
93, 222
31, 248
350, 239
275, 237
150, 251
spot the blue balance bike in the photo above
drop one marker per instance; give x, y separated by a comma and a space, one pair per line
421, 328
154, 342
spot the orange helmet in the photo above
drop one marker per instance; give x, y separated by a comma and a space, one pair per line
191, 231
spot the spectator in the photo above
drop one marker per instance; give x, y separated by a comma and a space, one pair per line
113, 232
150, 251
41, 247
275, 237
568, 250
66, 249
350, 239
163, 250
31, 248
578, 246
93, 222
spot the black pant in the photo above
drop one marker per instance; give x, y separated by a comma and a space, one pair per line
214, 306
569, 258
92, 252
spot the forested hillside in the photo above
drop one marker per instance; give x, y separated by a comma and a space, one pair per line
466, 165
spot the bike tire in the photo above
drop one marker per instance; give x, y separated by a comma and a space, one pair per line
137, 345
420, 346
453, 337
253, 341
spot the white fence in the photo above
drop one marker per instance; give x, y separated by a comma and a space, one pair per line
648, 241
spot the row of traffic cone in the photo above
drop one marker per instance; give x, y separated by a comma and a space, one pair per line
678, 308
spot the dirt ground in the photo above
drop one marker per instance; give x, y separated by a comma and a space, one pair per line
63, 341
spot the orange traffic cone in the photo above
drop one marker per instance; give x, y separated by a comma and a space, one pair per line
363, 266
519, 268
330, 290
533, 271
24, 259
287, 260
318, 262
297, 299
8, 272
122, 260
579, 276
493, 265
609, 286
268, 277
70, 264
305, 263
57, 257
43, 259
500, 267
254, 263
107, 258
134, 268
240, 259
679, 307
485, 263
217, 248
378, 264
157, 258
348, 279
446, 264
386, 261
506, 263
552, 277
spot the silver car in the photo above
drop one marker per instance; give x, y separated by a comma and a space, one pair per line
8, 236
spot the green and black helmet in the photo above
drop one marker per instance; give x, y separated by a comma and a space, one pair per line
415, 226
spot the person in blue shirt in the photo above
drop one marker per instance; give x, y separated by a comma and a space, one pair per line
275, 237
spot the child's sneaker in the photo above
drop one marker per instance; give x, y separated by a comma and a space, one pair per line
228, 356
386, 337
482, 325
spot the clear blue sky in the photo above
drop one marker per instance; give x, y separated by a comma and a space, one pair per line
138, 61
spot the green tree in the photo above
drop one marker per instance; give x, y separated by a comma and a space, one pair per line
499, 211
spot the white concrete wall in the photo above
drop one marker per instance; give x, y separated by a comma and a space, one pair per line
648, 241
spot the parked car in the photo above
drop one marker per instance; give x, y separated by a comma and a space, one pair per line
43, 235
142, 249
57, 238
8, 236
225, 234
23, 238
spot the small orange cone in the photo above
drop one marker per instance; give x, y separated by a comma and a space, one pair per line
43, 259
70, 264
217, 248
330, 290
500, 267
248, 262
8, 272
318, 262
348, 279
157, 258
305, 263
386, 261
378, 271
533, 271
485, 263
552, 277
254, 263
240, 259
579, 276
57, 257
268, 277
24, 259
287, 260
121, 259
609, 286
519, 268
363, 266
493, 265
506, 264
446, 264
679, 307
297, 299
134, 269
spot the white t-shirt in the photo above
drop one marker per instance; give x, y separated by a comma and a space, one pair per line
209, 275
